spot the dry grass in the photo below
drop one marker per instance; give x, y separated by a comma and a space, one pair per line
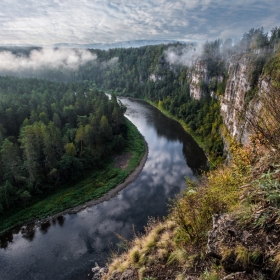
179, 256
242, 256
146, 249
180, 276
162, 253
276, 266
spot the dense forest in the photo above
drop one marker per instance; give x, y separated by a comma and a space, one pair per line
50, 132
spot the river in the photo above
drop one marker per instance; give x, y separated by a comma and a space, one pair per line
68, 247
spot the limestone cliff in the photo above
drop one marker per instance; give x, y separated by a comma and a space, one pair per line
199, 75
233, 101
237, 105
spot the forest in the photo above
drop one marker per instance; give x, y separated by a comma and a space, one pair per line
149, 73
50, 133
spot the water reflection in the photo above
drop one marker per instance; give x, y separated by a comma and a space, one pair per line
28, 232
73, 243
45, 227
6, 239
193, 155
60, 220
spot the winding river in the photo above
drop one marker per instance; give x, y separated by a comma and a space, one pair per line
68, 247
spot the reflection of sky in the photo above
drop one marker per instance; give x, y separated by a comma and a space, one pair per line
69, 251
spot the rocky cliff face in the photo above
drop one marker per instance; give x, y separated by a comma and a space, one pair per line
198, 76
235, 110
233, 101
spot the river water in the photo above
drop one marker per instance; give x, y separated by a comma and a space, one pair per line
68, 247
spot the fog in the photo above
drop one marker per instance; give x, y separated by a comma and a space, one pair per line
45, 58
184, 55
110, 62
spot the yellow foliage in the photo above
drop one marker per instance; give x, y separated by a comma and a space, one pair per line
160, 105
217, 193
70, 149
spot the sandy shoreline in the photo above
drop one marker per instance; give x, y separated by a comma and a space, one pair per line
112, 193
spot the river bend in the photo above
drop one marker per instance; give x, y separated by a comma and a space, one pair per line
68, 247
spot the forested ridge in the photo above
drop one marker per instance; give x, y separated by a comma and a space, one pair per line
163, 74
52, 132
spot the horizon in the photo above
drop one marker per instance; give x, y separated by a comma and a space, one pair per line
123, 43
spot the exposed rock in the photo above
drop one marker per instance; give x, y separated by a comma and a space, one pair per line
98, 272
236, 276
222, 225
244, 253
115, 275
234, 108
198, 76
127, 274
233, 102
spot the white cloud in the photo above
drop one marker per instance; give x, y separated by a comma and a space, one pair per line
45, 58
183, 55
97, 21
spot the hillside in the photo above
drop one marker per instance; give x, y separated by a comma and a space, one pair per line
227, 225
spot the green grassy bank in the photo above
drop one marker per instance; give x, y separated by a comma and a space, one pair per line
94, 184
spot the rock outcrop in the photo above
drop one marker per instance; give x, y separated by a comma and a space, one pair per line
233, 101
236, 108
199, 75
98, 272
244, 253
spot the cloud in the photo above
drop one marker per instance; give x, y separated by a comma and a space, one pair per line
110, 62
113, 61
45, 58
183, 55
106, 21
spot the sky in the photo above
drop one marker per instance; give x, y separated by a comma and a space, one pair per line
47, 22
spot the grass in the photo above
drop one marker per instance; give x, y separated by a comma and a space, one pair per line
276, 265
94, 185
242, 256
179, 256
147, 249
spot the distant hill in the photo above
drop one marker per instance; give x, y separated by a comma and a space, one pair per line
101, 46
124, 44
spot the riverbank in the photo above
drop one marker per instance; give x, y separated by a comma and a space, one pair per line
99, 186
112, 193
